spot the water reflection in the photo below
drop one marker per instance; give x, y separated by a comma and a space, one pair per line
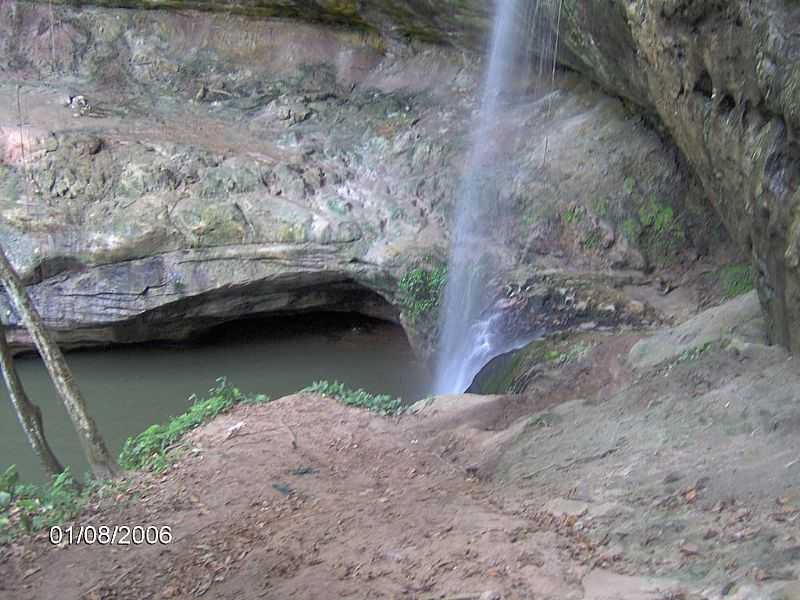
130, 388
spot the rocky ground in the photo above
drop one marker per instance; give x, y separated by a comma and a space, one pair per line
637, 467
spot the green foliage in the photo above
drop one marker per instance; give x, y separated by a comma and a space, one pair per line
382, 404
572, 215
654, 215
28, 508
421, 290
693, 353
631, 229
592, 240
150, 449
736, 279
572, 354
657, 231
600, 205
9, 479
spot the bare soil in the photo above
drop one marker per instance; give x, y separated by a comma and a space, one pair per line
603, 482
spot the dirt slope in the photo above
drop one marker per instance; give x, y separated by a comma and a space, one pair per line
674, 480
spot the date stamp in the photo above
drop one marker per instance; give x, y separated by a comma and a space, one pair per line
110, 535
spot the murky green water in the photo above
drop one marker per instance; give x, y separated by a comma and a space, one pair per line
130, 388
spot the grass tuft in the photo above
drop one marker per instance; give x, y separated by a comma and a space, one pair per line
29, 508
150, 450
382, 404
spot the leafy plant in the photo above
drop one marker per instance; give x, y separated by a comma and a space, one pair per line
382, 404
32, 507
655, 229
150, 449
27, 508
654, 215
572, 215
421, 290
593, 240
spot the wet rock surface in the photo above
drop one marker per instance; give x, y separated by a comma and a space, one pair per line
182, 169
722, 78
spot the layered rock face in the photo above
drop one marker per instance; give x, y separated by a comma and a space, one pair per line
724, 77
163, 171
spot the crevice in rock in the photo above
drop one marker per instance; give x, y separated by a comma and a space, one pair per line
704, 85
727, 104
52, 266
192, 315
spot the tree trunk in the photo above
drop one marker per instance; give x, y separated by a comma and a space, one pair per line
29, 415
101, 462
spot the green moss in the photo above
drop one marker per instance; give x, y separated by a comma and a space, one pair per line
294, 233
221, 225
600, 206
628, 185
498, 376
656, 216
509, 373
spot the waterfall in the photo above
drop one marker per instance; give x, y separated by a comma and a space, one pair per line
471, 328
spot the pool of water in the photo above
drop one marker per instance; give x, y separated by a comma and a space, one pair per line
129, 388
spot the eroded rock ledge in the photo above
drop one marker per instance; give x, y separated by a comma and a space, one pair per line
723, 78
185, 168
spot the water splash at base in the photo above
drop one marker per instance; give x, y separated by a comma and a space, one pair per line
472, 334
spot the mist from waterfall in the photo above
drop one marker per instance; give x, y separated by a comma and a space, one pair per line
471, 327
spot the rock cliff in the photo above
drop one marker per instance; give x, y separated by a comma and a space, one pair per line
164, 170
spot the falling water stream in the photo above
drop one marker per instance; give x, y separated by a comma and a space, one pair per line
471, 333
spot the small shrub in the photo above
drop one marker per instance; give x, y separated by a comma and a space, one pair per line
421, 290
150, 449
382, 404
29, 508
655, 229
